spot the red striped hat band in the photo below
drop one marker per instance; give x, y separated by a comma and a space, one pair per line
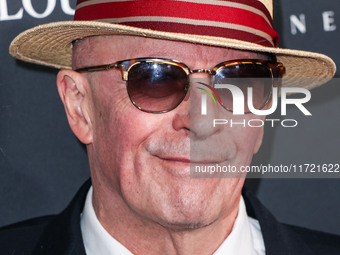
246, 20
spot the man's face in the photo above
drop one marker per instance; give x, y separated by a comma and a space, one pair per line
144, 158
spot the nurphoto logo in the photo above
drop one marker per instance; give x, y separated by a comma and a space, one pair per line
240, 101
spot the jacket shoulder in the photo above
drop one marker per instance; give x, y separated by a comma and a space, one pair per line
21, 238
320, 242
283, 239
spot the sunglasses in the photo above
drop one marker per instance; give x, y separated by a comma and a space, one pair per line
158, 85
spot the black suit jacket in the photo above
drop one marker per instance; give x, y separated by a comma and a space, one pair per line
61, 234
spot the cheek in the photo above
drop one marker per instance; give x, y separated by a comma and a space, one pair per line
111, 107
120, 131
246, 138
117, 126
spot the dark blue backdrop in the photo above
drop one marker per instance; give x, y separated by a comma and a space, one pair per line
42, 164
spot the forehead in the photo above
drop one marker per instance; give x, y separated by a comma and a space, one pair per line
108, 49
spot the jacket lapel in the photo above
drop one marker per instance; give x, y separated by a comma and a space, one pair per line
63, 235
278, 238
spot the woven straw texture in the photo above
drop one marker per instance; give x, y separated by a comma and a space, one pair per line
51, 45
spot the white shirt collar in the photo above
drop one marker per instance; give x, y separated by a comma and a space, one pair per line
244, 239
97, 240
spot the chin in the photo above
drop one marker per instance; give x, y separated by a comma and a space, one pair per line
184, 217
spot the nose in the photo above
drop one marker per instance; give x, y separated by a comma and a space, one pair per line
188, 114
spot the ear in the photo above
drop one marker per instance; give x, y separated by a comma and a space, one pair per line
72, 91
259, 140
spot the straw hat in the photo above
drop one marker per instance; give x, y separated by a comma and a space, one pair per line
236, 24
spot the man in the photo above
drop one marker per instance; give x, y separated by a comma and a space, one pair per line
128, 97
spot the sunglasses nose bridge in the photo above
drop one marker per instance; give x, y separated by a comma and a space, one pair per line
203, 75
201, 71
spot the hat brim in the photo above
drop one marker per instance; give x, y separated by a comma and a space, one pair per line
51, 45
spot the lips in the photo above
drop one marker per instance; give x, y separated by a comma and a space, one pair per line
188, 161
176, 159
186, 151
193, 157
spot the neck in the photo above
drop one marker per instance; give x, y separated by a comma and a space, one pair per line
144, 236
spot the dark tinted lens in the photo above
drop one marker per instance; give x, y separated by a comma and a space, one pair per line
156, 87
244, 76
